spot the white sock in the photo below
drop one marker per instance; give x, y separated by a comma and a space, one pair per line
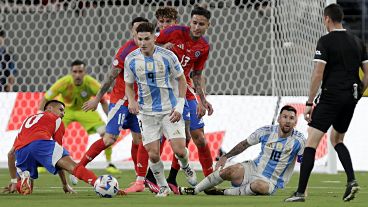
158, 171
183, 160
242, 190
211, 180
140, 178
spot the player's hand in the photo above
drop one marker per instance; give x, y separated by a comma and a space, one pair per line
11, 188
133, 107
208, 107
168, 45
221, 163
68, 189
91, 104
201, 110
308, 113
175, 116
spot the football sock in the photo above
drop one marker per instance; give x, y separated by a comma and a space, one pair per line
344, 156
242, 190
108, 152
211, 180
306, 168
134, 151
158, 172
150, 177
83, 174
142, 161
172, 175
183, 160
205, 158
95, 149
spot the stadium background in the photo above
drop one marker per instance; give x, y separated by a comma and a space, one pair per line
260, 56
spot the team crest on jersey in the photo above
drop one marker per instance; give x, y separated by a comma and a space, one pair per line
149, 66
197, 54
279, 146
84, 94
160, 67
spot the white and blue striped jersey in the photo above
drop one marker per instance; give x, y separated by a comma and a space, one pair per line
277, 158
156, 78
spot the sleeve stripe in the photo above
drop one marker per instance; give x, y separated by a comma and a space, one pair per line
319, 60
57, 124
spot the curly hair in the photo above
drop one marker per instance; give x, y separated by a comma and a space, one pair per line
166, 12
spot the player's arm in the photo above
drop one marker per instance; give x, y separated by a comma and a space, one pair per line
176, 113
105, 105
239, 148
53, 91
12, 187
198, 82
109, 79
66, 187
129, 88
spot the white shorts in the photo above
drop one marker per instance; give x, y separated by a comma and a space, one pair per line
251, 174
153, 126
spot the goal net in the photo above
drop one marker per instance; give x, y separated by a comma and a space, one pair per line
261, 52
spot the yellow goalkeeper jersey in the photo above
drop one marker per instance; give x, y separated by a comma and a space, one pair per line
361, 74
73, 96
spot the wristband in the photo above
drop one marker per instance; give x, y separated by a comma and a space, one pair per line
14, 181
180, 105
308, 104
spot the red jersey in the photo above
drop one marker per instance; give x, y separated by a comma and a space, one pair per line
192, 54
118, 91
42, 126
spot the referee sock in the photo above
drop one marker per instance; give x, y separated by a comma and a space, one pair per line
306, 168
96, 148
344, 157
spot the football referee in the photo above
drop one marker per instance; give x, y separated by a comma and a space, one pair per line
338, 57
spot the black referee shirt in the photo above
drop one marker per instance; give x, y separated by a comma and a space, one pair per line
343, 54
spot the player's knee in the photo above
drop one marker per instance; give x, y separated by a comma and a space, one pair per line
109, 139
198, 139
226, 173
154, 157
260, 187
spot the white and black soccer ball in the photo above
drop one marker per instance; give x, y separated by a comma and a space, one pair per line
106, 186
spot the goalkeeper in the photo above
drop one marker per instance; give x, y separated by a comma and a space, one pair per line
73, 90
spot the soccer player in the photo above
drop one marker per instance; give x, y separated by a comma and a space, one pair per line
39, 142
74, 89
119, 116
192, 51
281, 146
166, 17
161, 90
338, 57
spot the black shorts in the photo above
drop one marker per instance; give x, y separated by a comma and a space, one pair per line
333, 108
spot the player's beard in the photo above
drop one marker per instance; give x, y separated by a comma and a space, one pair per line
286, 129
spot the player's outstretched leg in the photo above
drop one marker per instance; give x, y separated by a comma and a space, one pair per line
182, 154
141, 165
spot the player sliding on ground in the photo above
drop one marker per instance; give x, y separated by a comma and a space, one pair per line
271, 170
39, 143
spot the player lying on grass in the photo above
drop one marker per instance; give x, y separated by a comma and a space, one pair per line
39, 143
271, 170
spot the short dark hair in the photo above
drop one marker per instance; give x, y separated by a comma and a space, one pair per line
166, 12
138, 19
52, 102
201, 11
288, 108
78, 62
335, 12
146, 27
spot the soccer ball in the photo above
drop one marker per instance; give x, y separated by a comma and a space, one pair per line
106, 186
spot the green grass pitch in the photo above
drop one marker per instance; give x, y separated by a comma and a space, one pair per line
324, 190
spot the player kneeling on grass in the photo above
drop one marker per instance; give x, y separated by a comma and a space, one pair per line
271, 170
39, 142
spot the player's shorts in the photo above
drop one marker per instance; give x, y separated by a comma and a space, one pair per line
334, 108
39, 153
120, 118
91, 120
251, 174
190, 114
153, 126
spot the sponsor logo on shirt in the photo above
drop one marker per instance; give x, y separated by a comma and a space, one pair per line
181, 46
115, 62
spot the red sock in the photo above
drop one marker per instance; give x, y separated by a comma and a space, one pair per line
83, 174
95, 149
134, 151
142, 161
205, 158
175, 163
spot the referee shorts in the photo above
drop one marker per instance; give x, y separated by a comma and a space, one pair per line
334, 108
